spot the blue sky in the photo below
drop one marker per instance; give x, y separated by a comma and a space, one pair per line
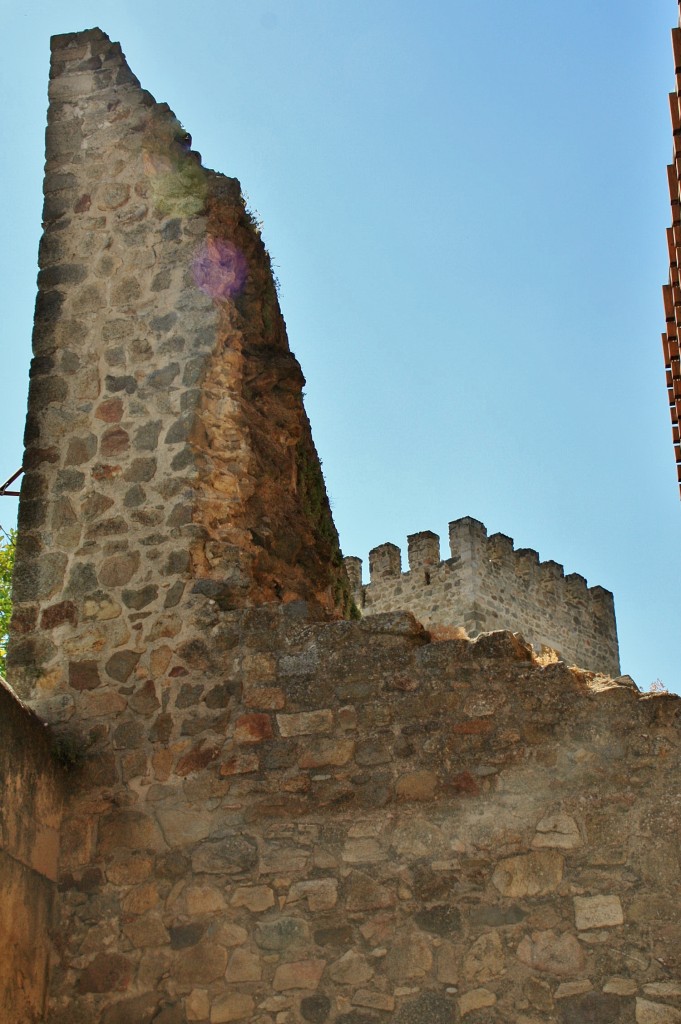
466, 204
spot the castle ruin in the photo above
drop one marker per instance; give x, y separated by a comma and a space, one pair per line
487, 585
225, 798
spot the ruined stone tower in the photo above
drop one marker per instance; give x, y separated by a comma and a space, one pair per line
169, 460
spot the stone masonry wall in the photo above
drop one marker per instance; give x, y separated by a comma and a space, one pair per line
30, 812
273, 817
486, 585
167, 448
350, 823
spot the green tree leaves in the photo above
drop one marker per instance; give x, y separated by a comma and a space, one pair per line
7, 549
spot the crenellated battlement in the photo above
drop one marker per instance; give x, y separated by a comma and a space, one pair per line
488, 584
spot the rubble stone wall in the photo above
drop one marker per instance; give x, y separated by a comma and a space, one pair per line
351, 823
488, 585
30, 811
271, 816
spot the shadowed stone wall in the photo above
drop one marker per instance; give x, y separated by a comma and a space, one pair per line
30, 812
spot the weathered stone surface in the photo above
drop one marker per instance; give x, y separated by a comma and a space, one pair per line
243, 967
485, 959
144, 700
202, 964
325, 753
648, 1012
596, 1008
447, 959
283, 932
496, 916
138, 599
351, 969
417, 786
362, 892
121, 664
315, 1008
559, 831
197, 1005
60, 614
476, 999
427, 1008
623, 986
233, 1006
231, 855
567, 989
441, 919
119, 569
141, 1009
332, 936
84, 675
319, 893
598, 912
300, 974
253, 728
551, 953
255, 897
188, 825
531, 874
145, 931
128, 830
307, 723
183, 936
106, 973
409, 956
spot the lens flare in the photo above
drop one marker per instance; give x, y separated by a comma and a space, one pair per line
220, 269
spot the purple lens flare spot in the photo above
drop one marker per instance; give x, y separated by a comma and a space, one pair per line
220, 269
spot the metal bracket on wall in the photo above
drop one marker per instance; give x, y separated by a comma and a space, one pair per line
8, 483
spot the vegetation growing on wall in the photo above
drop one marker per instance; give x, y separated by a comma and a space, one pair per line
7, 549
316, 505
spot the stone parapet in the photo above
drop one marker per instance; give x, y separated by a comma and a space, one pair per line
485, 585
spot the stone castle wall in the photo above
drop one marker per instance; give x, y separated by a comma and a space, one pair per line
31, 788
487, 585
350, 823
273, 816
